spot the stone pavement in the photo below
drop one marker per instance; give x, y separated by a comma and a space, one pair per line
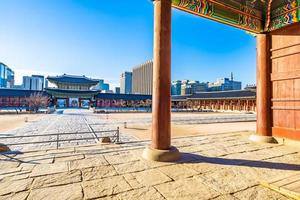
68, 121
220, 166
81, 120
288, 185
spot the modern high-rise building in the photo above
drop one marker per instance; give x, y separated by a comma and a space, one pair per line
46, 83
34, 82
142, 78
225, 84
7, 76
126, 83
117, 90
26, 82
192, 87
176, 87
102, 85
38, 79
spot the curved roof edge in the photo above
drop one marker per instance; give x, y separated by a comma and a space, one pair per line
72, 79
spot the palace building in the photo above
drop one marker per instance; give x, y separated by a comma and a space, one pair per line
72, 91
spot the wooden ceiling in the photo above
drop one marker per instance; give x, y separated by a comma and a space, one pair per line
252, 15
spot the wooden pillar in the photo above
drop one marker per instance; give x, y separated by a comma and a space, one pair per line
263, 93
160, 149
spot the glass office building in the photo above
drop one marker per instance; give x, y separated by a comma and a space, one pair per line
7, 77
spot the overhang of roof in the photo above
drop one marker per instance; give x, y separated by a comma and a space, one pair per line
234, 94
63, 93
19, 93
70, 79
123, 96
255, 16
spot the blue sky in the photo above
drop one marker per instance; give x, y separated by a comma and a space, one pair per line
101, 39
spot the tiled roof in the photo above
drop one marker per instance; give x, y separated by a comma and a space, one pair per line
123, 96
72, 79
203, 95
17, 92
65, 91
234, 94
180, 97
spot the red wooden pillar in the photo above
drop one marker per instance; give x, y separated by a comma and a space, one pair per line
263, 93
161, 149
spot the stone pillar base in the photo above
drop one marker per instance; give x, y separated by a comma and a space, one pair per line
169, 155
263, 139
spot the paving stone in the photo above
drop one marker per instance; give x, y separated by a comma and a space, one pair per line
131, 180
195, 148
178, 171
212, 166
292, 159
114, 197
258, 192
119, 158
60, 151
36, 158
146, 193
57, 179
261, 154
202, 166
245, 157
230, 179
214, 152
9, 171
98, 172
65, 192
155, 164
226, 197
186, 189
130, 167
68, 157
266, 172
243, 148
105, 187
88, 162
46, 169
7, 187
284, 149
15, 176
8, 164
32, 154
151, 177
15, 196
89, 150
27, 166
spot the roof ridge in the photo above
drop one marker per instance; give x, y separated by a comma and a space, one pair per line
72, 76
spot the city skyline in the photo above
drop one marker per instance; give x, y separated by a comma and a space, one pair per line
107, 87
99, 48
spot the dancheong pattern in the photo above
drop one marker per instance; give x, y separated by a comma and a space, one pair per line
232, 13
286, 14
250, 15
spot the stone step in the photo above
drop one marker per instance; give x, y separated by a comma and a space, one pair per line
288, 186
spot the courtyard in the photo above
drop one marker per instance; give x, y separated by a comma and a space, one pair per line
212, 166
86, 124
218, 161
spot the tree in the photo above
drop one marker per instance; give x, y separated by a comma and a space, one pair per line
36, 101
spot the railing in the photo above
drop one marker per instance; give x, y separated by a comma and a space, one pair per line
115, 137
